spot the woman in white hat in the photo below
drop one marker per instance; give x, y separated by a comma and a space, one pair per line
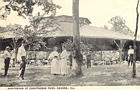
54, 57
63, 61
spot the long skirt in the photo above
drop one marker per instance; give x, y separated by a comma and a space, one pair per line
55, 66
63, 66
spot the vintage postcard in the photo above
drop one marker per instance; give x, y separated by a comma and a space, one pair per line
69, 44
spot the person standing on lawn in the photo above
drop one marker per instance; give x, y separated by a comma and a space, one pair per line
88, 58
130, 55
63, 61
21, 56
55, 65
7, 57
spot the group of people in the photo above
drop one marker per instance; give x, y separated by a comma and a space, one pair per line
59, 61
9, 57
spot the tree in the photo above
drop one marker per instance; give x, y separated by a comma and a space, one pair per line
76, 38
37, 27
134, 42
32, 33
25, 8
119, 25
84, 47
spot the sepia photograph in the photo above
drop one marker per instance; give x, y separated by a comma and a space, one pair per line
64, 44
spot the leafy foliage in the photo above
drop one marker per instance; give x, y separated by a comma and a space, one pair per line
38, 26
25, 7
119, 25
32, 34
85, 47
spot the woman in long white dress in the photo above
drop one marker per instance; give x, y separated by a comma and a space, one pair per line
63, 61
54, 57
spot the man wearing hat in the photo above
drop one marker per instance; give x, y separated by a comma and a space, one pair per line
7, 57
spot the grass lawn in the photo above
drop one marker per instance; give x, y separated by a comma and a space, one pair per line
101, 75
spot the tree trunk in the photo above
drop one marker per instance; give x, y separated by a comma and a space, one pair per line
15, 47
120, 50
27, 54
134, 60
35, 56
134, 43
76, 37
120, 47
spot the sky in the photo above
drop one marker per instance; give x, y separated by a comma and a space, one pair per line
99, 12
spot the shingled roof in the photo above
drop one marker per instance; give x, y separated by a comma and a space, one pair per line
68, 19
65, 18
66, 23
